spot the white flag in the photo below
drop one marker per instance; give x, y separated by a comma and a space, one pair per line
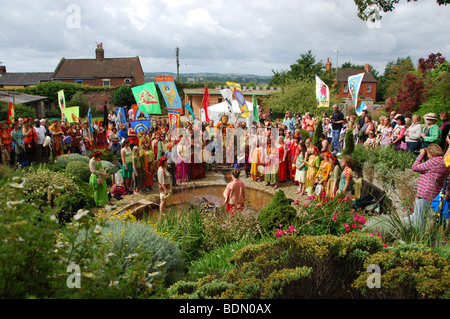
228, 96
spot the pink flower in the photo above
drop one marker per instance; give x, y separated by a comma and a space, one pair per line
353, 226
335, 219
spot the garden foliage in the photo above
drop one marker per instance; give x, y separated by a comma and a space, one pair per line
278, 211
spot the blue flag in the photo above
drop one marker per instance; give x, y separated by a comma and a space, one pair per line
188, 107
141, 126
121, 116
90, 120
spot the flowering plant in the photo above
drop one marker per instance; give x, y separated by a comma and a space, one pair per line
288, 231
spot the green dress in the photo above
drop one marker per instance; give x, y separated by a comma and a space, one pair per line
100, 190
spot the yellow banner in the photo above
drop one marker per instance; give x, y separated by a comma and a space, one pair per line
72, 114
239, 96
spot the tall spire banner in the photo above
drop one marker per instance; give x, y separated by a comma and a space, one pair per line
322, 93
146, 98
169, 92
206, 103
239, 96
11, 113
354, 83
228, 96
255, 109
62, 102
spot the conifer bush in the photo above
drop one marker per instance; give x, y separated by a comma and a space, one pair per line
278, 211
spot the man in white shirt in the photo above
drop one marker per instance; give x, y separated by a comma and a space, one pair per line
40, 135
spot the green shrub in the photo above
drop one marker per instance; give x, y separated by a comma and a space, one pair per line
292, 267
408, 271
21, 111
80, 170
349, 143
318, 132
278, 211
130, 236
65, 159
68, 205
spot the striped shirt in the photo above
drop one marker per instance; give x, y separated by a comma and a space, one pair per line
433, 173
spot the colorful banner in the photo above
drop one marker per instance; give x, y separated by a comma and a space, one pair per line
322, 93
174, 121
169, 92
362, 106
228, 96
255, 109
206, 103
90, 120
62, 102
11, 113
138, 115
146, 98
121, 115
141, 126
354, 83
188, 107
239, 96
72, 114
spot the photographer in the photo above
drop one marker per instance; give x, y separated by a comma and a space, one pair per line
433, 173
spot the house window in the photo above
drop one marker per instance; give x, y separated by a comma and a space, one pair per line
369, 88
345, 88
79, 81
106, 82
127, 82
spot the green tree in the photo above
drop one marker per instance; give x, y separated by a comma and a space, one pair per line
394, 74
368, 8
298, 96
123, 96
79, 99
305, 69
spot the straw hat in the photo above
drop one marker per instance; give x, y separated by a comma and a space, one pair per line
430, 116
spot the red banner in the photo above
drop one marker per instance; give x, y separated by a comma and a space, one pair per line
206, 103
11, 113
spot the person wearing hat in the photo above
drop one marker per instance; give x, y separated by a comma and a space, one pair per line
431, 133
98, 180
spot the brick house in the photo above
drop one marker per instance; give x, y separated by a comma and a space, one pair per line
20, 80
100, 71
368, 89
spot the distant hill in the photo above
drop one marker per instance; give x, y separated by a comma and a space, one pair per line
211, 77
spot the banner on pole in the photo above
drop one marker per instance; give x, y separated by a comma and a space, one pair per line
174, 121
255, 109
140, 126
139, 115
62, 102
147, 98
11, 113
322, 93
121, 116
169, 92
72, 114
239, 96
228, 96
354, 83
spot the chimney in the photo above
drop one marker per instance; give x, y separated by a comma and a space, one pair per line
99, 52
2, 69
328, 65
367, 67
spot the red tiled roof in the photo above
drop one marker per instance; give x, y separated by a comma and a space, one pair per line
92, 68
343, 75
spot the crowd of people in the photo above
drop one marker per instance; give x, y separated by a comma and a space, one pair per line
164, 158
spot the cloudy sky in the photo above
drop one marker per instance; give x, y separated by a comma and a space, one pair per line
245, 36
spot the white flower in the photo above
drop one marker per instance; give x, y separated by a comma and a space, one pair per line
115, 283
110, 255
97, 229
53, 217
16, 185
80, 214
161, 264
153, 274
131, 256
88, 274
20, 239
58, 187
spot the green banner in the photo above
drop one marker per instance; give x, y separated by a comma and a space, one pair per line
146, 98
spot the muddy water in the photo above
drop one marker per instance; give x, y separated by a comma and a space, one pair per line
255, 199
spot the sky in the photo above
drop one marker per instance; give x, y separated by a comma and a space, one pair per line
217, 36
